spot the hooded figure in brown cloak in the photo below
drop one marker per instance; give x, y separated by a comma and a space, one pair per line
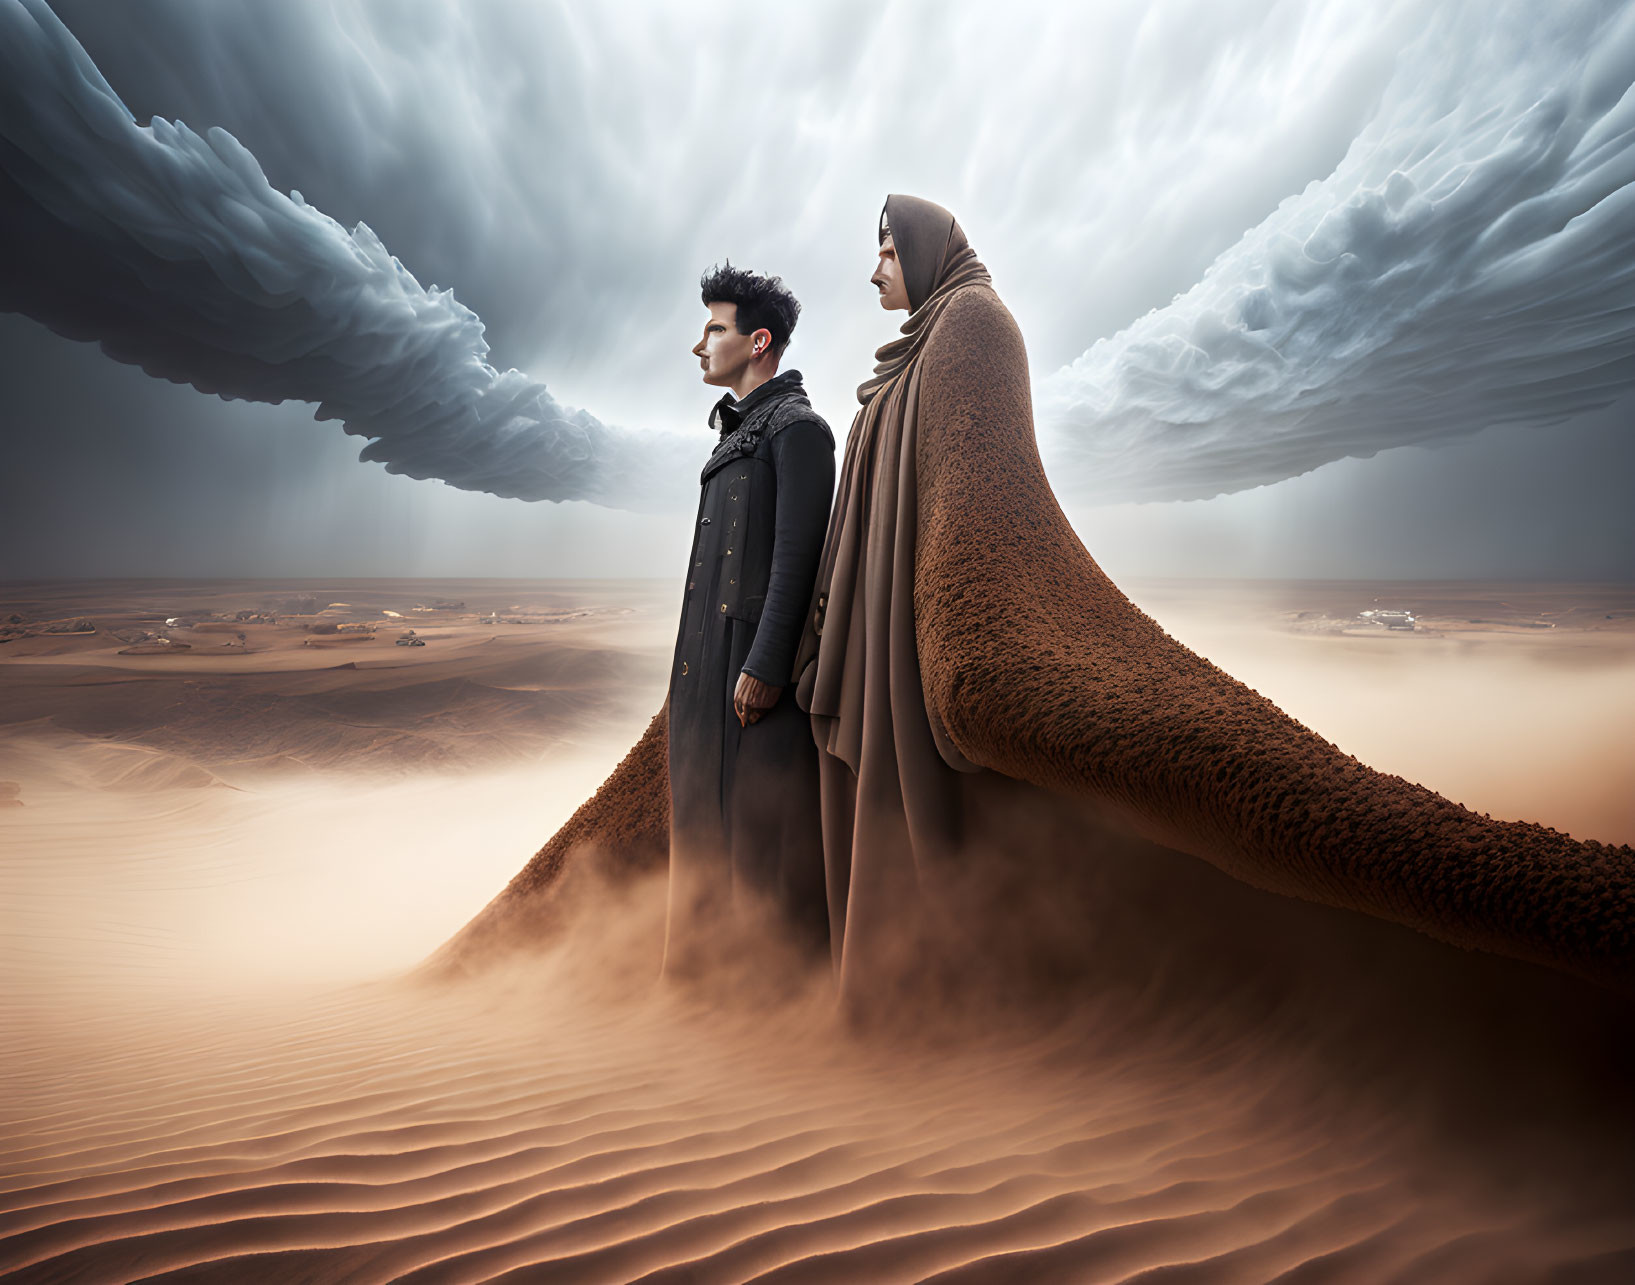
893, 787
959, 624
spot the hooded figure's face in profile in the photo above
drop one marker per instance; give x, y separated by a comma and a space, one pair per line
888, 275
918, 240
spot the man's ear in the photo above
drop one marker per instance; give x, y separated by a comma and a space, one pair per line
760, 342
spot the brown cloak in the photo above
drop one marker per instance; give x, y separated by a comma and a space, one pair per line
965, 626
895, 795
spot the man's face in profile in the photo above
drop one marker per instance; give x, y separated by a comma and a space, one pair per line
724, 354
888, 277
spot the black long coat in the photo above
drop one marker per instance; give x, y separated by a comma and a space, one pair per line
744, 811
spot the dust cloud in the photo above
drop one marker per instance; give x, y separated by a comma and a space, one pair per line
221, 1062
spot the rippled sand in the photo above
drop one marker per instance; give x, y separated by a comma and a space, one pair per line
569, 1128
214, 1068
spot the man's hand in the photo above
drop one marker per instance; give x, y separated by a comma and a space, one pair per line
752, 698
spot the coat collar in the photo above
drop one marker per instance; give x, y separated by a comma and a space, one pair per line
740, 422
728, 414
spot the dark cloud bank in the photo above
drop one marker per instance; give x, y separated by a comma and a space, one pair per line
172, 250
1461, 262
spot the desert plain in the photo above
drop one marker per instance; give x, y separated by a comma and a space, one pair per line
235, 816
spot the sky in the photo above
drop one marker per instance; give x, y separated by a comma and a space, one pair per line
1309, 289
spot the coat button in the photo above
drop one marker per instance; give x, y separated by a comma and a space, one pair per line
723, 608
705, 522
732, 582
684, 669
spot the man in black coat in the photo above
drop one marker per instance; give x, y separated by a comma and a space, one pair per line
744, 819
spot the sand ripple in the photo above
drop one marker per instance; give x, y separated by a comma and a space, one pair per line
526, 1131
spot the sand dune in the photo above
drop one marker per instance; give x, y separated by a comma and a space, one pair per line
213, 1069
526, 1128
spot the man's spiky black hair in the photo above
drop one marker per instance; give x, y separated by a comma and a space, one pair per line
763, 302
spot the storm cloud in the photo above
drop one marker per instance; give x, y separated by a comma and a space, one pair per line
1220, 170
1467, 264
173, 252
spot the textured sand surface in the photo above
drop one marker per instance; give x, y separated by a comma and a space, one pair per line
212, 1069
572, 1126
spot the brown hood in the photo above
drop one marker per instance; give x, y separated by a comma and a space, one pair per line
927, 238
936, 260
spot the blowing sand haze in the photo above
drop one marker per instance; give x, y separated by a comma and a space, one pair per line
220, 1065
